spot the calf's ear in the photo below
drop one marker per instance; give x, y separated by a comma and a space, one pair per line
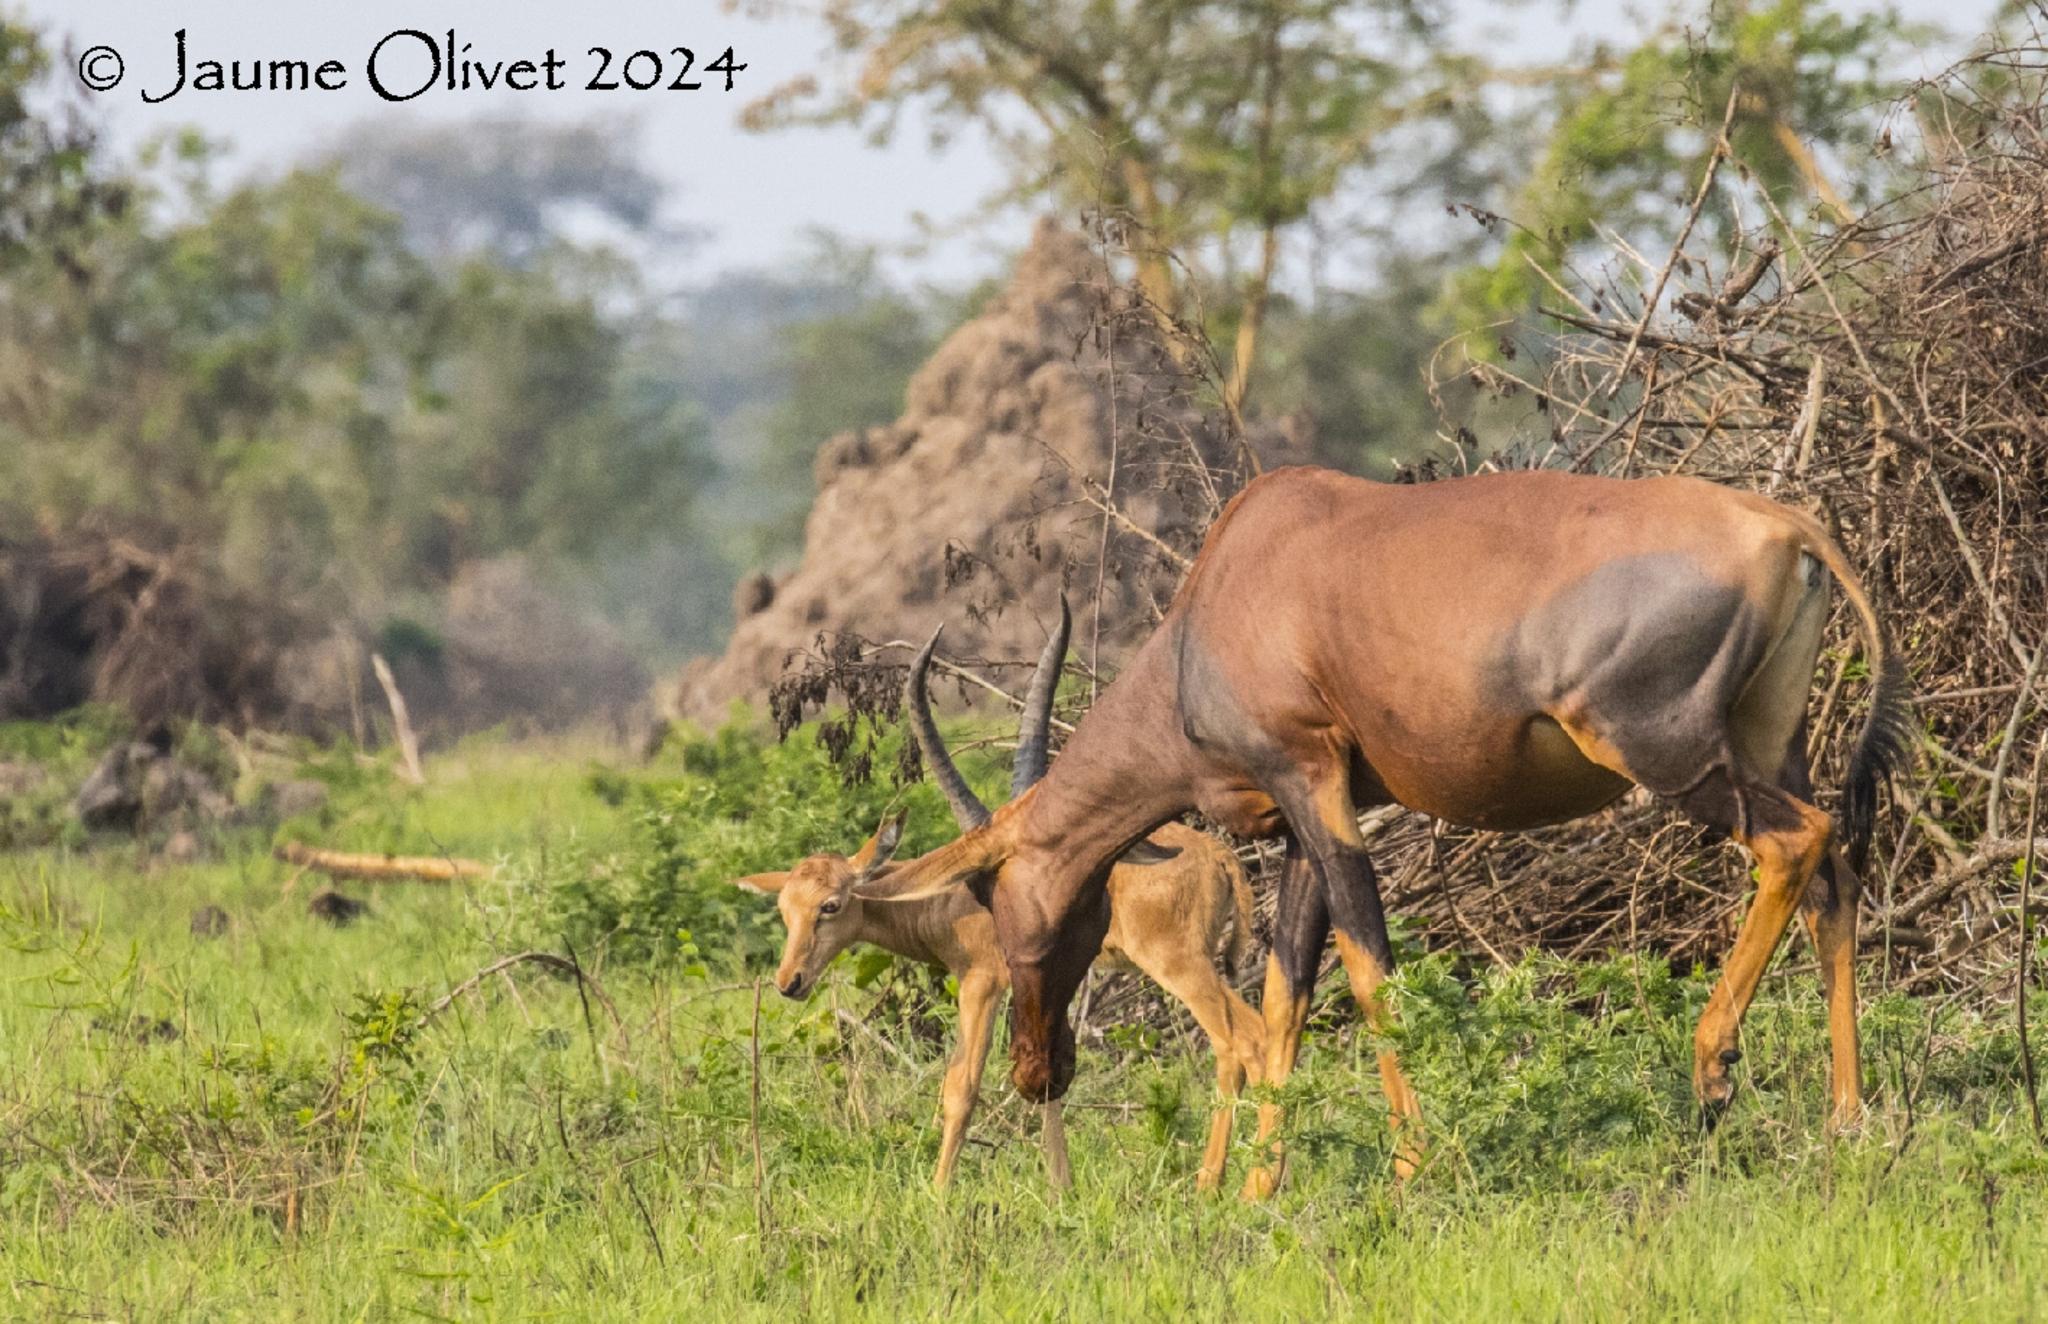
875, 852
765, 884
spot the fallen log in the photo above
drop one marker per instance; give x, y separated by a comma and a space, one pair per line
380, 868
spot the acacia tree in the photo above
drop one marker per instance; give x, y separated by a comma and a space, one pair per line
1213, 126
1799, 87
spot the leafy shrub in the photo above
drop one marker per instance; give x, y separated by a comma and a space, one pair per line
1536, 1070
737, 803
70, 742
41, 766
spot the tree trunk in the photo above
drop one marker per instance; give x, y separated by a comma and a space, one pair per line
1155, 272
1249, 323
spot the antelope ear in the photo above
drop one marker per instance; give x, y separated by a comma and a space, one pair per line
765, 884
1148, 852
876, 851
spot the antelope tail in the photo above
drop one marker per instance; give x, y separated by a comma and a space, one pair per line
1882, 746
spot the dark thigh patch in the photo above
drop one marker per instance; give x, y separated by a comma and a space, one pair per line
1647, 653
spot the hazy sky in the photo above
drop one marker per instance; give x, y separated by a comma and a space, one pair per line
756, 194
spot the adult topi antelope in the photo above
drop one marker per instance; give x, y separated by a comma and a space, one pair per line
1499, 651
1166, 918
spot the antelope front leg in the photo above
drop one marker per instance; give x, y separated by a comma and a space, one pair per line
1301, 926
1360, 924
1404, 1109
978, 994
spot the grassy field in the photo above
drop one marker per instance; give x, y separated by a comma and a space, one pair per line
271, 1125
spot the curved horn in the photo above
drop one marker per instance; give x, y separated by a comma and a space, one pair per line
1034, 728
968, 812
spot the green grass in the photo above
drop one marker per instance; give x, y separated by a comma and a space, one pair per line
251, 1128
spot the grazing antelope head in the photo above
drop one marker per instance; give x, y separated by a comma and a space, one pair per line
820, 902
823, 899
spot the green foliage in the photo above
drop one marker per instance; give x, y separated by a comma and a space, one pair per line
339, 421
69, 742
1199, 116
1215, 126
41, 767
53, 189
383, 1037
782, 361
845, 370
1355, 364
1630, 139
1542, 1070
719, 806
308, 402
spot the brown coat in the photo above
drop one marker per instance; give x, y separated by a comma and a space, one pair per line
1500, 651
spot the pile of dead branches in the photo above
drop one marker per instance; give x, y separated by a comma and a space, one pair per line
1890, 376
126, 616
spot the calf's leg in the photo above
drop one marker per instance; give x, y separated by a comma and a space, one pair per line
1190, 976
962, 1088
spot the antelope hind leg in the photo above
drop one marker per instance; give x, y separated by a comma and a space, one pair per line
1789, 839
1829, 910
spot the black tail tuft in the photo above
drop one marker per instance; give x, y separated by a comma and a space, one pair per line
1880, 751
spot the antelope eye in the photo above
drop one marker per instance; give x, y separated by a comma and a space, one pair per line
829, 908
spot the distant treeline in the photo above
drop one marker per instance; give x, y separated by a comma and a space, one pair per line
342, 383
430, 347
